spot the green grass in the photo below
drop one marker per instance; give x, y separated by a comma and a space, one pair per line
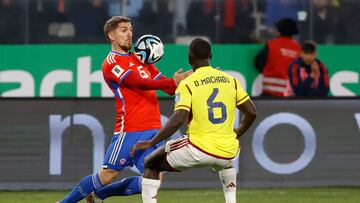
293, 195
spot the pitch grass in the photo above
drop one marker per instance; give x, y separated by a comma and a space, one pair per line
283, 195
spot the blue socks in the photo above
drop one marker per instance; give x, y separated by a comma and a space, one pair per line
125, 187
83, 189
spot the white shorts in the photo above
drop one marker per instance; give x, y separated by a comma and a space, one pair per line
181, 155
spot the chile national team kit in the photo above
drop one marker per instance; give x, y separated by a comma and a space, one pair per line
137, 111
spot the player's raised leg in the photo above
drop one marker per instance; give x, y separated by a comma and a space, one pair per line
228, 180
111, 169
124, 187
89, 184
131, 185
154, 164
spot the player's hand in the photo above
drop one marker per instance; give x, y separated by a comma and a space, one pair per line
315, 70
140, 146
187, 73
180, 75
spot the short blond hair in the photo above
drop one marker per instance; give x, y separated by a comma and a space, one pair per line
112, 24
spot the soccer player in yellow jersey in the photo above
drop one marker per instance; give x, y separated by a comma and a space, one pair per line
207, 101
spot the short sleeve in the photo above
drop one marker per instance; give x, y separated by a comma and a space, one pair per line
183, 97
241, 95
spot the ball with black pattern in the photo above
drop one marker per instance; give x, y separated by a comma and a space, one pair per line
149, 49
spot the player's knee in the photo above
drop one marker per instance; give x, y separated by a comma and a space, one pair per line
107, 176
148, 162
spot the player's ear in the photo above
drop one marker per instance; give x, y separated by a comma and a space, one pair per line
190, 57
111, 35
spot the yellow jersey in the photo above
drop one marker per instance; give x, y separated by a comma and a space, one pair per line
211, 96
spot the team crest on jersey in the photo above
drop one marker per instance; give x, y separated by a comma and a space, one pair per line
117, 71
122, 161
177, 97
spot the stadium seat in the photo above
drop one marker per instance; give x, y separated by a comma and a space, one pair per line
61, 30
66, 30
53, 29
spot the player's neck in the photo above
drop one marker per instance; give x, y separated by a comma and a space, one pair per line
200, 64
118, 49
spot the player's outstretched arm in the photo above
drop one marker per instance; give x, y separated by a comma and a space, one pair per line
135, 81
178, 76
170, 91
249, 114
173, 124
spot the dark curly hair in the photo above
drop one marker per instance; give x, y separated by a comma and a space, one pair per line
287, 27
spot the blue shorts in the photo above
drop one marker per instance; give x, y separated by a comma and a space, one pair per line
117, 155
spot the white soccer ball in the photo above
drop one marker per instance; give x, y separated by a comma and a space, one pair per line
149, 49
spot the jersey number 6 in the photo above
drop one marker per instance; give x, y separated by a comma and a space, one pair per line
142, 72
212, 105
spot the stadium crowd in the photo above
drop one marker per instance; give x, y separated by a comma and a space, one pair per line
225, 21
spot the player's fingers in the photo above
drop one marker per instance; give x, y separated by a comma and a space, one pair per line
132, 152
189, 72
179, 71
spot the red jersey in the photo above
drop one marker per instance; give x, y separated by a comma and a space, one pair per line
282, 52
134, 86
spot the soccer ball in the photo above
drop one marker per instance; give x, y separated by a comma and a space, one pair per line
149, 49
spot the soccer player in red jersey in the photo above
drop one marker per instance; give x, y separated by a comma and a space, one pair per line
137, 119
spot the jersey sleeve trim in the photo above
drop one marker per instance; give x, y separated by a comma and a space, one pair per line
242, 100
124, 75
184, 107
188, 88
235, 84
158, 76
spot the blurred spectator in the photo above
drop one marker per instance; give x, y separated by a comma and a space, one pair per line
180, 10
61, 10
323, 21
88, 18
12, 22
274, 59
279, 9
236, 22
113, 8
155, 17
308, 76
200, 18
349, 26
41, 13
132, 8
